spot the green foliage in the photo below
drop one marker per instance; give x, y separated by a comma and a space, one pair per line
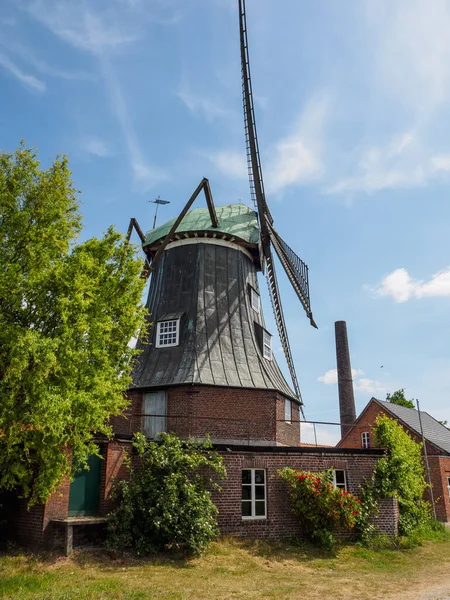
398, 397
166, 503
320, 508
67, 312
399, 473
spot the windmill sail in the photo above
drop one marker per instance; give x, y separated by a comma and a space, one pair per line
251, 138
295, 268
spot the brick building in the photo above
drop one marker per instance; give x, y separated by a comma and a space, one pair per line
437, 440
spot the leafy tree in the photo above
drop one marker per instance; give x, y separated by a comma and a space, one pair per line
166, 504
398, 397
67, 312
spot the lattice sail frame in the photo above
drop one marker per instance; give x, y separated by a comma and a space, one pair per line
295, 268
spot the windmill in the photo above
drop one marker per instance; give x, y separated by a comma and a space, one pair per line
209, 338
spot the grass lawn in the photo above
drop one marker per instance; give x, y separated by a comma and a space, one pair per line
232, 569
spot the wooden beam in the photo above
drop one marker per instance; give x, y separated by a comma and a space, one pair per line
174, 227
210, 203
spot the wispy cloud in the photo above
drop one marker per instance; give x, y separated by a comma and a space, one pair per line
81, 28
297, 158
202, 105
102, 34
26, 79
96, 147
403, 162
145, 174
409, 75
400, 286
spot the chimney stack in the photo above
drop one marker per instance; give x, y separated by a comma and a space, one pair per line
345, 382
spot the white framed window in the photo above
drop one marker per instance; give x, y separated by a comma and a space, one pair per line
365, 439
167, 333
287, 410
448, 485
255, 300
339, 479
155, 413
267, 345
254, 494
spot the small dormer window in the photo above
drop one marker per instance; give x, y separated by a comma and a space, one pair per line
267, 345
255, 300
168, 333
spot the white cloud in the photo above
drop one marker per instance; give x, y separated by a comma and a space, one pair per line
96, 147
296, 158
369, 386
230, 162
331, 377
401, 286
441, 162
29, 80
361, 384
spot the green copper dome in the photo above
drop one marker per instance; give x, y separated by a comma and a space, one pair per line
234, 219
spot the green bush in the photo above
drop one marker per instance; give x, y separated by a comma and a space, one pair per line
166, 504
320, 508
399, 473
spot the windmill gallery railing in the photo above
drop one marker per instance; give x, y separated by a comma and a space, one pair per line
261, 431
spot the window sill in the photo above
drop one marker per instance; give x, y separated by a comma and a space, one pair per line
254, 518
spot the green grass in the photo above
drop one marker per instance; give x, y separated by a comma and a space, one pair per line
231, 569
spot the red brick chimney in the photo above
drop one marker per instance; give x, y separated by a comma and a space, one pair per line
345, 382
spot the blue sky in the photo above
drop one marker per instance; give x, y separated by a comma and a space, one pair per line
352, 105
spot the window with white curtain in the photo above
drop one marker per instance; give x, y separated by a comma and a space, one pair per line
155, 414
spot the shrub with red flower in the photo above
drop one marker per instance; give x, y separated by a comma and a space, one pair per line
318, 505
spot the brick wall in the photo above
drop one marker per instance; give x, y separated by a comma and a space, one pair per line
280, 521
228, 414
439, 471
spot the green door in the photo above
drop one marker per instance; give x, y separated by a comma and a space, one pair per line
85, 490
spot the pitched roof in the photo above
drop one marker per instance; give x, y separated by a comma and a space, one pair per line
235, 219
433, 431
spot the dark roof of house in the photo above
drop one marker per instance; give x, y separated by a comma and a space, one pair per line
434, 432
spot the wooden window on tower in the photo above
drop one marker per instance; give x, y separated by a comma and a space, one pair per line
287, 410
255, 300
168, 333
267, 345
254, 494
365, 439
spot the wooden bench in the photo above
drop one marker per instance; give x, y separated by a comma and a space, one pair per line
69, 524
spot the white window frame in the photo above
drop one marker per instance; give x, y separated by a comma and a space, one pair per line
365, 440
448, 485
287, 410
335, 483
253, 500
255, 300
160, 325
267, 345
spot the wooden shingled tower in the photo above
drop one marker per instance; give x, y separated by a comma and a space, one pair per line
208, 365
